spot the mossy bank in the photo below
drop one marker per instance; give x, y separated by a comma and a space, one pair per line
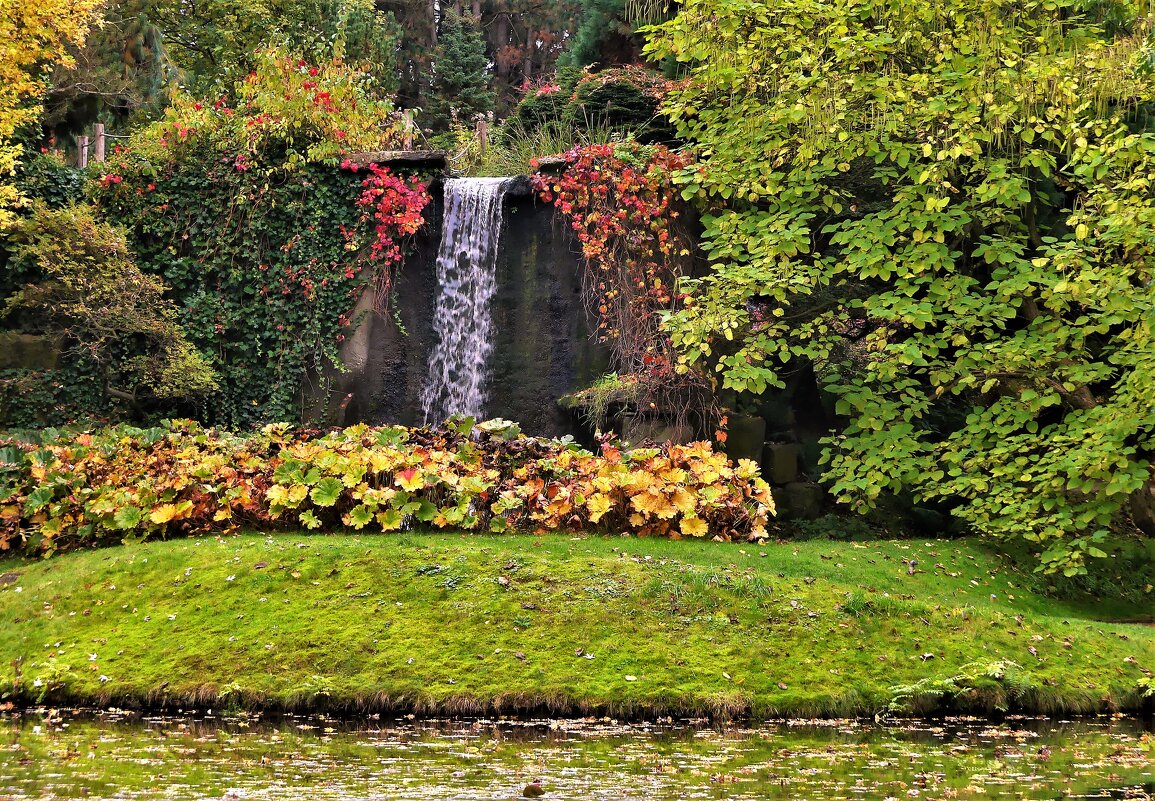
454, 624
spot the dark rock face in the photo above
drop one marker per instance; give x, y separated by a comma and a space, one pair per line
544, 345
543, 348
28, 351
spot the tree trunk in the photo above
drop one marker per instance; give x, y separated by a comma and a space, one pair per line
1143, 507
502, 40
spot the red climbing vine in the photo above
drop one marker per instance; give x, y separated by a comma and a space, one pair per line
622, 204
391, 207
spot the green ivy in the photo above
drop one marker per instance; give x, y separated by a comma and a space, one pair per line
240, 206
32, 399
260, 268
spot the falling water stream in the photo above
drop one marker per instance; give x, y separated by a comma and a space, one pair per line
466, 263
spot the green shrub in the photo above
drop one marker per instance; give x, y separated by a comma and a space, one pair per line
626, 99
46, 177
109, 315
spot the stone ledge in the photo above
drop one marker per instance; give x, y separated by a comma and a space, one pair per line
424, 158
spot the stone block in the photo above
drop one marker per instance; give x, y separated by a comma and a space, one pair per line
778, 414
780, 462
744, 437
27, 352
800, 501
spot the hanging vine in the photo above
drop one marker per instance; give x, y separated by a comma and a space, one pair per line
621, 203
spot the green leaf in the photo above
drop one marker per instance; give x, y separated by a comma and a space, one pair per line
127, 517
327, 492
360, 516
425, 511
38, 499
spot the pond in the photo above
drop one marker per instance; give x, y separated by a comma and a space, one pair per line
117, 755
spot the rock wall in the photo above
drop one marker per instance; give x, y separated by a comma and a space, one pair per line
543, 348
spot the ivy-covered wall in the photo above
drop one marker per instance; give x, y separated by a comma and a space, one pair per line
260, 267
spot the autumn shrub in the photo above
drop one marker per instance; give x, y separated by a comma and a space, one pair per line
122, 483
108, 315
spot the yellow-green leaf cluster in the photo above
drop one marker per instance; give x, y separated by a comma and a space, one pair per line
34, 37
118, 483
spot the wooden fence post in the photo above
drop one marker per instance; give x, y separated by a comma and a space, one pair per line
82, 152
408, 126
98, 135
482, 133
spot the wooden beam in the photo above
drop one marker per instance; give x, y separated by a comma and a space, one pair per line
98, 136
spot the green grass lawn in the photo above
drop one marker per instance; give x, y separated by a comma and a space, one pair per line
451, 623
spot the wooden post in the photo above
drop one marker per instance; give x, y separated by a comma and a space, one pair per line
98, 149
408, 126
482, 133
82, 152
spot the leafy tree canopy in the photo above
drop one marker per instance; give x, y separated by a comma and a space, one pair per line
948, 209
214, 42
33, 37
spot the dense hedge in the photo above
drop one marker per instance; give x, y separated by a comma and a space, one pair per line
113, 484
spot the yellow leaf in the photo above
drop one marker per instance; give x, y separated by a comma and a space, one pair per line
168, 512
410, 480
598, 505
665, 510
646, 502
683, 499
694, 526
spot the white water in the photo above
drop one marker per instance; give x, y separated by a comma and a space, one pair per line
455, 382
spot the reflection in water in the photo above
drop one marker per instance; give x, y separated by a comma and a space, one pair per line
119, 756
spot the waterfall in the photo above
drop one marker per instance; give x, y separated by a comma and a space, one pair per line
466, 267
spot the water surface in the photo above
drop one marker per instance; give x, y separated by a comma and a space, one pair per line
114, 755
